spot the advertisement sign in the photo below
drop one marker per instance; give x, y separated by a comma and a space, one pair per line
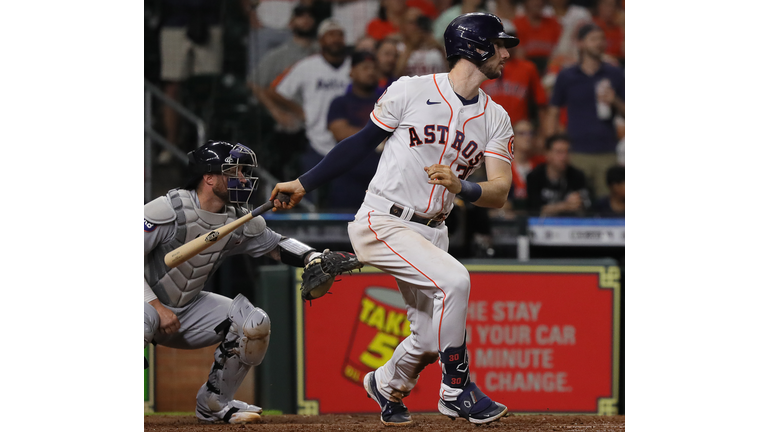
576, 232
541, 339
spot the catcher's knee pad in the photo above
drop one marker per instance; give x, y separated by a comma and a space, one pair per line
151, 323
252, 327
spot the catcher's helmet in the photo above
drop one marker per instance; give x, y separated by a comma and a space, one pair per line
236, 162
471, 36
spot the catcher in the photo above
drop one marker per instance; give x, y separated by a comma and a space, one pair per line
179, 314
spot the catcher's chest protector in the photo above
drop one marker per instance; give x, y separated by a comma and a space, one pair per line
178, 286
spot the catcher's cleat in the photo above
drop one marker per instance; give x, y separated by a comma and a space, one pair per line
472, 405
235, 412
392, 413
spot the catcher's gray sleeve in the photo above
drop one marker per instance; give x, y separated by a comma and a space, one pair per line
258, 245
154, 235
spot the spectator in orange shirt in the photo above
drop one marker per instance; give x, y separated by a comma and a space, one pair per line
538, 34
392, 15
607, 18
518, 90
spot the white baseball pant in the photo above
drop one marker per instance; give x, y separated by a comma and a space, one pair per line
434, 285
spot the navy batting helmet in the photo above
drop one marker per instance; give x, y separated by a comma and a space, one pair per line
471, 36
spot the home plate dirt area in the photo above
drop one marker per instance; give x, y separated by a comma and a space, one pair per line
371, 422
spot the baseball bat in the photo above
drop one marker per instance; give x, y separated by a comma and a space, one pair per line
188, 250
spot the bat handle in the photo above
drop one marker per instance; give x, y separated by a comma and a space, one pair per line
269, 204
283, 197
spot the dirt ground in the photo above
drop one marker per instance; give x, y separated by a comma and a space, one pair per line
369, 422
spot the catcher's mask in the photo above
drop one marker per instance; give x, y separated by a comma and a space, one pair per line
237, 163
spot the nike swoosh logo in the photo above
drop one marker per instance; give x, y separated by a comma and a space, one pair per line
432, 103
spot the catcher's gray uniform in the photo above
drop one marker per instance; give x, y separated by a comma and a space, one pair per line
206, 319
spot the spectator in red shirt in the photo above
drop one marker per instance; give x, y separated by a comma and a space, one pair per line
607, 18
392, 15
538, 34
518, 90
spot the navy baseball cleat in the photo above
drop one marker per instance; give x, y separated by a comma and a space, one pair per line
472, 405
392, 413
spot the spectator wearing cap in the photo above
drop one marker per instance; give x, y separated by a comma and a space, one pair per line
556, 188
421, 54
538, 34
613, 204
307, 89
592, 91
347, 115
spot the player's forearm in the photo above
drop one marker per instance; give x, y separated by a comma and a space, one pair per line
494, 195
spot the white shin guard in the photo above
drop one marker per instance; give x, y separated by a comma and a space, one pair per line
244, 346
225, 378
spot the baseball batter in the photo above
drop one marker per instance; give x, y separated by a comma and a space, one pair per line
177, 313
438, 130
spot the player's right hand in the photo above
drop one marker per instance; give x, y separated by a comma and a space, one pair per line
294, 189
169, 322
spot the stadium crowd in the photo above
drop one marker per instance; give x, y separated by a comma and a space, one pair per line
312, 70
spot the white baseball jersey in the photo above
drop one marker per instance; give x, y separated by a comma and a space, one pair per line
314, 83
431, 125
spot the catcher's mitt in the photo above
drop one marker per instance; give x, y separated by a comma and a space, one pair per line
321, 272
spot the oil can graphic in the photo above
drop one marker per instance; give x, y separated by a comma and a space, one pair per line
380, 326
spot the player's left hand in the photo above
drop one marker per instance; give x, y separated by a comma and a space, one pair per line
443, 176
